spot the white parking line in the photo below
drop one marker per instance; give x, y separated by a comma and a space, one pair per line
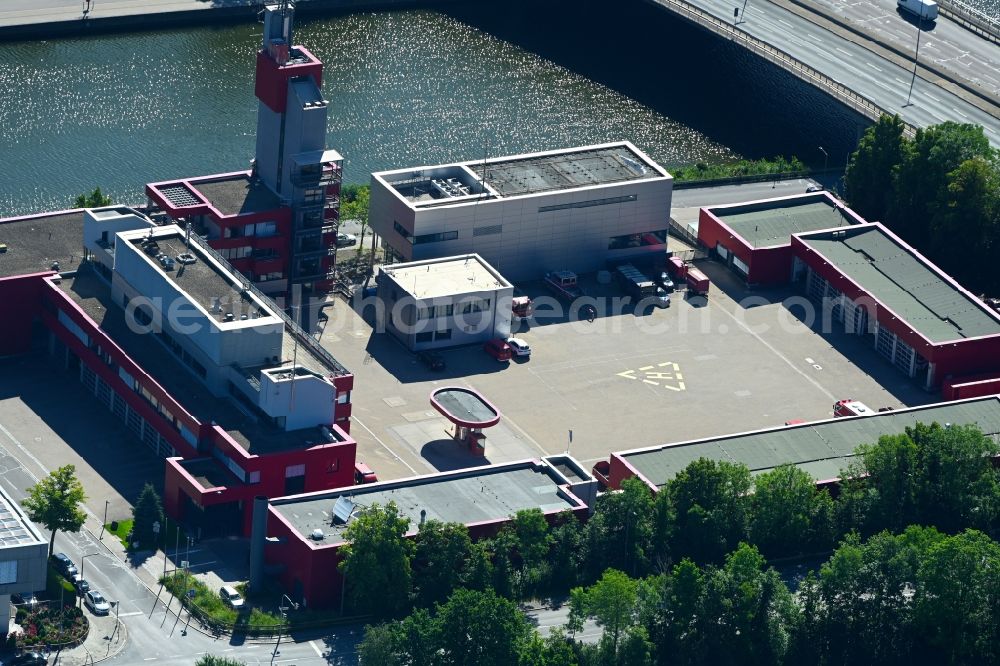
842, 51
873, 66
959, 112
936, 99
312, 644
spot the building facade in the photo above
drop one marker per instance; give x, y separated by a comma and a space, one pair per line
201, 367
821, 448
865, 280
299, 538
754, 238
575, 209
277, 222
24, 556
444, 302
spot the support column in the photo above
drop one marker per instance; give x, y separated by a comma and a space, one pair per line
5, 613
931, 368
258, 535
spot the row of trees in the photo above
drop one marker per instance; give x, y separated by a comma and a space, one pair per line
919, 597
931, 474
708, 531
940, 191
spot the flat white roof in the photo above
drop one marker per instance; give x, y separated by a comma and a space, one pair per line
447, 276
536, 173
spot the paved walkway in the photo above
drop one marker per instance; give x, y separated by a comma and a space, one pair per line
31, 12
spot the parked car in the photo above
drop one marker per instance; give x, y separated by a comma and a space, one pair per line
519, 347
231, 597
82, 586
432, 360
814, 188
498, 349
96, 602
26, 659
346, 240
27, 599
64, 565
664, 282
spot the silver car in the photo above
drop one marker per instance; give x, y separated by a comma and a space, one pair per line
96, 602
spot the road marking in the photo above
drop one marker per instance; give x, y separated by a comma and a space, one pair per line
786, 23
936, 99
355, 419
777, 353
150, 659
812, 36
809, 361
842, 51
899, 79
873, 66
959, 112
312, 644
130, 614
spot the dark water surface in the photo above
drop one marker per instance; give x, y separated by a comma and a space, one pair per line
407, 88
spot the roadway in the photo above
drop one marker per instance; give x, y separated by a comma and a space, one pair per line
871, 75
943, 42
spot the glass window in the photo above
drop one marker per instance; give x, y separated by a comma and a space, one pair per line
425, 337
8, 572
443, 335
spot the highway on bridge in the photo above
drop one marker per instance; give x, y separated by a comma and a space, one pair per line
943, 42
855, 66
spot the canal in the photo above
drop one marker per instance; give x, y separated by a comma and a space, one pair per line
406, 88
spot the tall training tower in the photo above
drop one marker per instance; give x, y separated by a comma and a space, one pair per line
292, 159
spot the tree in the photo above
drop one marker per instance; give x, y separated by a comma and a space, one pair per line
957, 482
354, 206
481, 629
709, 504
148, 510
212, 660
879, 489
965, 230
55, 502
955, 604
376, 561
439, 562
920, 182
611, 601
869, 177
788, 514
95, 199
619, 534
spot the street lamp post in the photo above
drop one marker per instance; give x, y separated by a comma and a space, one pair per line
83, 561
105, 519
826, 158
916, 58
743, 12
284, 619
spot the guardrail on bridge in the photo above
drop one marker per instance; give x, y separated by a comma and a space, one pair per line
842, 93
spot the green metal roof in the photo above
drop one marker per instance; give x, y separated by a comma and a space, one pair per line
773, 222
891, 273
822, 448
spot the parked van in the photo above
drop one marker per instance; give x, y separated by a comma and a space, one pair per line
231, 597
925, 9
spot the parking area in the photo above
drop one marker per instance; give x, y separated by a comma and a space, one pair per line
738, 361
47, 419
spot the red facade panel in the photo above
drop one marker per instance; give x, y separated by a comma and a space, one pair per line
21, 294
271, 86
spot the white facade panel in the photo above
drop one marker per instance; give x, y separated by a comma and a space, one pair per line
528, 235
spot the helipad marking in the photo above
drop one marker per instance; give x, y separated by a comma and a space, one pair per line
666, 374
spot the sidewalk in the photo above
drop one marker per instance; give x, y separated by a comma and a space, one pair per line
103, 642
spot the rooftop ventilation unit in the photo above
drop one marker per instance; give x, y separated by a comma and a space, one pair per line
317, 535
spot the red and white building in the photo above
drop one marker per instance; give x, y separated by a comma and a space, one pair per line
277, 222
867, 281
298, 539
198, 364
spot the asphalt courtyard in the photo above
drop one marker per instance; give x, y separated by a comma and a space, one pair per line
736, 362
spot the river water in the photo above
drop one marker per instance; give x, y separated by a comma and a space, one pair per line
406, 88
